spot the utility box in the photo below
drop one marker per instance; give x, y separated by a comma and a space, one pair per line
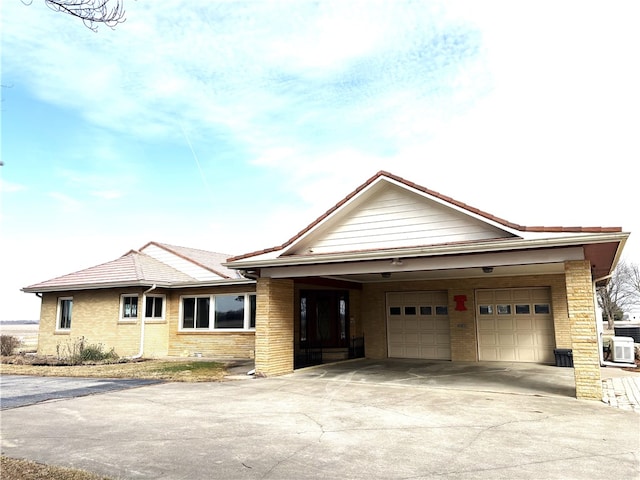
622, 349
564, 357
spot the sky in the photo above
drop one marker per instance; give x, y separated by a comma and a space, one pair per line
231, 125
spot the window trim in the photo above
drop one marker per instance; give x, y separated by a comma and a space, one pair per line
122, 318
212, 312
59, 327
161, 318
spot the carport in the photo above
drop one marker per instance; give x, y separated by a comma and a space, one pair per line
419, 275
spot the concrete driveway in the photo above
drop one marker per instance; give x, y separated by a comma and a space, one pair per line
362, 419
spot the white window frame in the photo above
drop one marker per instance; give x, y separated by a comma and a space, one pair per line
164, 308
129, 319
59, 327
212, 312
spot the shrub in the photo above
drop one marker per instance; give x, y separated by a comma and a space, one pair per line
8, 343
78, 352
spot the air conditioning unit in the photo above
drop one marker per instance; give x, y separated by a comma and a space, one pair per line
623, 349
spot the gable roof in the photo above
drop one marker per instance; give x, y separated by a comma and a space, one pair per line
137, 268
491, 232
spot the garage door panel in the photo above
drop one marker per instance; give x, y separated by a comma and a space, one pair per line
524, 336
524, 323
506, 339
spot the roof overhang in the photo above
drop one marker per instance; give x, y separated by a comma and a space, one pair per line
105, 285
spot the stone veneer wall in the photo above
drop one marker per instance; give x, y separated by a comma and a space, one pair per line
584, 336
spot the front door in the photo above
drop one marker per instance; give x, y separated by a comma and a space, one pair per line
324, 318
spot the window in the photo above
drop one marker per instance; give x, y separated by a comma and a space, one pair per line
65, 305
218, 312
486, 309
504, 309
523, 309
542, 308
442, 310
410, 311
154, 306
395, 311
426, 310
229, 311
128, 307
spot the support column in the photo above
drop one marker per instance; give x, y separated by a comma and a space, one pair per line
584, 336
274, 327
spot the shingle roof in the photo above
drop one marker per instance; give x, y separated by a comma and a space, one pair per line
133, 268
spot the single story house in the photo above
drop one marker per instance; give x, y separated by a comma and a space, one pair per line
398, 270
190, 303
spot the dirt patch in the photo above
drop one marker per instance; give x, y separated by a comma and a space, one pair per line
16, 469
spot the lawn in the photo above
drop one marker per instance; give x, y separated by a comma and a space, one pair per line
183, 370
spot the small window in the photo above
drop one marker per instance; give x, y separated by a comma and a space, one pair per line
128, 307
410, 310
523, 309
542, 308
503, 309
395, 311
442, 310
154, 306
426, 310
486, 309
65, 305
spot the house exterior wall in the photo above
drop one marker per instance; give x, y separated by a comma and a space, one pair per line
584, 336
223, 344
96, 317
463, 328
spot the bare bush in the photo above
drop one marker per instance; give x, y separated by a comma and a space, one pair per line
8, 344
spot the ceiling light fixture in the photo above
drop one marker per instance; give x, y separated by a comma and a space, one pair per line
487, 269
386, 274
396, 261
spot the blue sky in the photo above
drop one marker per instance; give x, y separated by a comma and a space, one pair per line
230, 126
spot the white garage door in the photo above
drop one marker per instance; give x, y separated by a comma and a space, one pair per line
515, 325
418, 325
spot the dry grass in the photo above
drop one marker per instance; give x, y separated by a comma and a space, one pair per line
14, 469
169, 370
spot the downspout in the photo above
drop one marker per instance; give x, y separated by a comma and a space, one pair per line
599, 329
144, 303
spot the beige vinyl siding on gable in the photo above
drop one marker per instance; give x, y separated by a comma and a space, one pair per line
179, 263
396, 218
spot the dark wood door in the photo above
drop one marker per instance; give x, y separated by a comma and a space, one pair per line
324, 318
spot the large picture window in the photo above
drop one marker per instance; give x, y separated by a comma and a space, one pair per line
218, 312
65, 306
